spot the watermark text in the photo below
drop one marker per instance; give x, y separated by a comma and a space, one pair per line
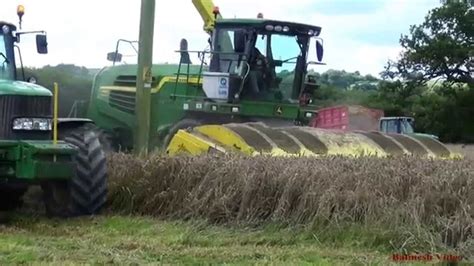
426, 257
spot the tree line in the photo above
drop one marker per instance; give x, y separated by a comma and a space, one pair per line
74, 82
433, 79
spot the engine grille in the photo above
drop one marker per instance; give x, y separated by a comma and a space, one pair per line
123, 100
13, 106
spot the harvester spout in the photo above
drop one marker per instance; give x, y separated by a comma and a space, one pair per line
209, 13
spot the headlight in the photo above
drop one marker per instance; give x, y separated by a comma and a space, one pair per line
32, 124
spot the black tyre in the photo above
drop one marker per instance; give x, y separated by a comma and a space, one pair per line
183, 124
86, 192
11, 197
106, 139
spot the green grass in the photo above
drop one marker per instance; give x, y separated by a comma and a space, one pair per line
129, 240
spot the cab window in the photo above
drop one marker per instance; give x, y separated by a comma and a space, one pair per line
390, 126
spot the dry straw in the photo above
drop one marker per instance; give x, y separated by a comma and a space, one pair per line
425, 196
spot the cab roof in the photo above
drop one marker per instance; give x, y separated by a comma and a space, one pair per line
295, 28
397, 117
13, 27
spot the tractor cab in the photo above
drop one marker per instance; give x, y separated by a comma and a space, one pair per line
401, 125
8, 37
26, 108
258, 59
7, 68
398, 125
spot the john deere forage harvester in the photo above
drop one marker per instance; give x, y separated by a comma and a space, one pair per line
254, 96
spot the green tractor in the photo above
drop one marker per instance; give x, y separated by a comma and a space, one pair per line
254, 95
401, 125
63, 156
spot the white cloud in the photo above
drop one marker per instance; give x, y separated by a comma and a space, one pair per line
82, 32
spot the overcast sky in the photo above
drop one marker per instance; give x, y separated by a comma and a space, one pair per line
358, 35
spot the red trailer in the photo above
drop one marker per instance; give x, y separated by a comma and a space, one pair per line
348, 117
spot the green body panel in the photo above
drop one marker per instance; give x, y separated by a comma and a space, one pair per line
171, 102
425, 135
121, 117
30, 160
13, 87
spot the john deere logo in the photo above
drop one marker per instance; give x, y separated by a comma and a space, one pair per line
278, 110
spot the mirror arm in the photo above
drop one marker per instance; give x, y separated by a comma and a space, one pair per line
116, 52
117, 47
30, 32
21, 62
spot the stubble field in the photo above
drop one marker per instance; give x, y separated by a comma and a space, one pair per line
238, 210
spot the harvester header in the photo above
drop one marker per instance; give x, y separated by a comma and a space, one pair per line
258, 139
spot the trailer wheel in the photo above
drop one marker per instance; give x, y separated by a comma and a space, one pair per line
86, 192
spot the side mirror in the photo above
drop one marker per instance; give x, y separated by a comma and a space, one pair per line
278, 63
319, 50
114, 57
239, 41
41, 44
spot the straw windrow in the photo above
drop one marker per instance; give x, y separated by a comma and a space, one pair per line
429, 197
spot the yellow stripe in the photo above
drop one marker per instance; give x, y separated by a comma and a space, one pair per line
55, 113
153, 90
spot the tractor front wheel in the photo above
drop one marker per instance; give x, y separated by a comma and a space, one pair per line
86, 192
11, 197
106, 139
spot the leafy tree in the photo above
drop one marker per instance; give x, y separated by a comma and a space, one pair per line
346, 80
441, 47
364, 85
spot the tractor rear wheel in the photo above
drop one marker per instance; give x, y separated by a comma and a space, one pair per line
86, 192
